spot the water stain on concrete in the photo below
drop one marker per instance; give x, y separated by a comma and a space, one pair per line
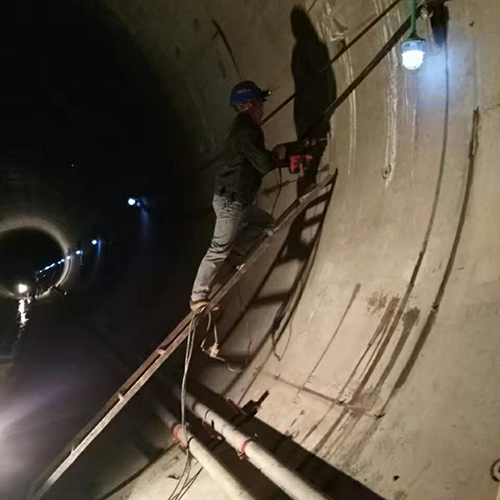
410, 318
379, 333
376, 302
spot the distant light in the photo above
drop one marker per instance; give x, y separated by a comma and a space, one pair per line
68, 257
52, 265
78, 252
413, 51
132, 201
94, 242
22, 288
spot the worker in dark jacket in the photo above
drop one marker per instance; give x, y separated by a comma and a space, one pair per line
244, 162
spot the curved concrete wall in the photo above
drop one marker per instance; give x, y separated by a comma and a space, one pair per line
375, 332
387, 364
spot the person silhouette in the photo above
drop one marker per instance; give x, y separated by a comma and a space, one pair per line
316, 90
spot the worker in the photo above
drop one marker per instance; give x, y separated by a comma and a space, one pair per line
245, 160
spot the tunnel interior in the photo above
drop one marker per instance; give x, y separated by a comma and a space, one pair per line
367, 330
85, 124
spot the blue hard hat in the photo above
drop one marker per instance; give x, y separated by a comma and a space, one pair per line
247, 91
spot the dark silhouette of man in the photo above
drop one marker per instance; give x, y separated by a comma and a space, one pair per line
316, 91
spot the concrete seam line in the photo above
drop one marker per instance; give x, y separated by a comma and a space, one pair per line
451, 261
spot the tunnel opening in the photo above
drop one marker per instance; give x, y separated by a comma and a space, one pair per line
85, 124
24, 253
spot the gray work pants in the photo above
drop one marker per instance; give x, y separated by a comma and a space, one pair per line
236, 229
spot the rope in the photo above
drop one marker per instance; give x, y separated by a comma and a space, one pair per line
184, 477
280, 186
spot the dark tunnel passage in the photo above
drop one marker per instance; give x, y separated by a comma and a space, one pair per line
365, 335
83, 127
23, 254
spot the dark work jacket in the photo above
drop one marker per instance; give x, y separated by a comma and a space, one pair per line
245, 160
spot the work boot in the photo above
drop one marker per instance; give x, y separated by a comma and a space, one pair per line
235, 260
196, 305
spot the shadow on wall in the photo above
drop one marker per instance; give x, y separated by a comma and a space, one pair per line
439, 17
309, 56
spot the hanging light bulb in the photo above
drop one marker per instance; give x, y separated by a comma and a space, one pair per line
413, 50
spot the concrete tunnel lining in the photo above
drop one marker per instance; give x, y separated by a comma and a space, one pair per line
355, 374
47, 227
78, 189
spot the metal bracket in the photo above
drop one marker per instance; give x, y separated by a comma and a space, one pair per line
241, 452
177, 440
234, 407
252, 407
213, 433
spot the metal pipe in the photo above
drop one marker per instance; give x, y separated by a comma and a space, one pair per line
219, 473
279, 473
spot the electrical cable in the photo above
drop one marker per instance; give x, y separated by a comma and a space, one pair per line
280, 187
209, 327
213, 351
187, 467
190, 483
184, 476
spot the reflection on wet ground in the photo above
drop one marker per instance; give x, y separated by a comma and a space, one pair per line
14, 317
